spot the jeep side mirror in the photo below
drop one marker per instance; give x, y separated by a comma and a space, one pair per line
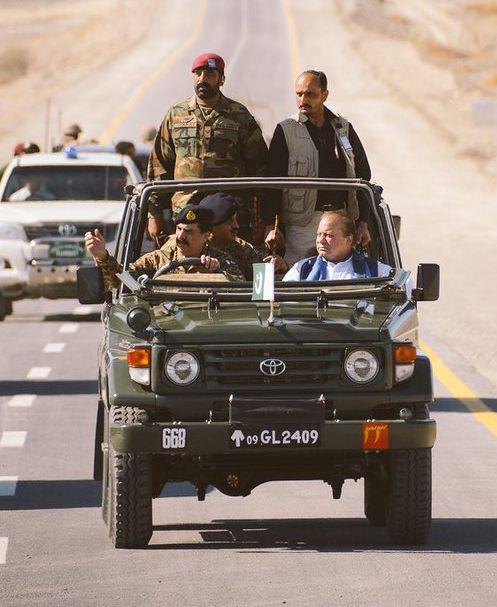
428, 282
91, 286
396, 224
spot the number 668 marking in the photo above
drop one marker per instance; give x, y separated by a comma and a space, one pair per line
174, 438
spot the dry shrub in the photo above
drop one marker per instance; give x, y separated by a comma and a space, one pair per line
14, 63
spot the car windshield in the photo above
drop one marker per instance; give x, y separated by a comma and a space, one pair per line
60, 182
373, 264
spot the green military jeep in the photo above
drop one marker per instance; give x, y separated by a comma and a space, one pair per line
200, 383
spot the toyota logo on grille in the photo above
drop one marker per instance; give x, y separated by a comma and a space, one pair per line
67, 229
272, 367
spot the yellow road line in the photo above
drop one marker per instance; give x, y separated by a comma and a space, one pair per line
292, 33
156, 75
461, 391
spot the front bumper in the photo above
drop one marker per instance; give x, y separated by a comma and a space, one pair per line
203, 438
47, 279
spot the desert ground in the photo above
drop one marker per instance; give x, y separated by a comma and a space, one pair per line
436, 56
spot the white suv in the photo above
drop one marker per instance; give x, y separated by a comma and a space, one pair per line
47, 203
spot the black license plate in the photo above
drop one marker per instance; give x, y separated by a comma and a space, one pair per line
274, 437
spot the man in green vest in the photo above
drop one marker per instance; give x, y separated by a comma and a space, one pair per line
315, 142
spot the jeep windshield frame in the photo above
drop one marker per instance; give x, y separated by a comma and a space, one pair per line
390, 286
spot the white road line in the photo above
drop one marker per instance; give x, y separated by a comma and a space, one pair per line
21, 400
39, 372
69, 327
4, 544
13, 438
8, 485
82, 311
54, 347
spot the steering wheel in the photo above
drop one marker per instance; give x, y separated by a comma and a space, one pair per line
172, 265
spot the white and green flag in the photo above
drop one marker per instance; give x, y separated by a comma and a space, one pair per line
263, 289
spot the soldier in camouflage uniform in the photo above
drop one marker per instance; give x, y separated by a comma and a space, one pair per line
193, 230
224, 235
205, 136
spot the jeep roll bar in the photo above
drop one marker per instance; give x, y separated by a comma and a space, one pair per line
142, 192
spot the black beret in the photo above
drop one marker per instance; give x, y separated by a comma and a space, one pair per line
222, 205
193, 213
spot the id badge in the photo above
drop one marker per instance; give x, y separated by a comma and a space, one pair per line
344, 140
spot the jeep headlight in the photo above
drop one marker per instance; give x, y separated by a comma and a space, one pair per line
11, 231
182, 368
361, 366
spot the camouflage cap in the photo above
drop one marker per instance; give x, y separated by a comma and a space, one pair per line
224, 206
215, 62
192, 213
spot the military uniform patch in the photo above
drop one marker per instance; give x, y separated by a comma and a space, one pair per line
182, 122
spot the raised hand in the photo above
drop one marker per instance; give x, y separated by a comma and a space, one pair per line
95, 243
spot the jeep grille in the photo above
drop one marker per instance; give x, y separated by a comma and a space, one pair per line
51, 230
304, 365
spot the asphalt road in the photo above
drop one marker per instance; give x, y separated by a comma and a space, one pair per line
287, 543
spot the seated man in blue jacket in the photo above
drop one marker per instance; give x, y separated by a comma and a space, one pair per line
336, 259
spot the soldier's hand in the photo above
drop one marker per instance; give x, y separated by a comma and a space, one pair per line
280, 265
362, 235
156, 225
211, 264
274, 240
95, 243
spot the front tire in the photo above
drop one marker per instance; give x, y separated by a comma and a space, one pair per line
408, 512
130, 490
375, 499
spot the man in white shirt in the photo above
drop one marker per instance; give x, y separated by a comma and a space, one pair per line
33, 189
336, 259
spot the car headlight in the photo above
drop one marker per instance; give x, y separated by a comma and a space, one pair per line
182, 368
404, 357
361, 366
139, 364
11, 231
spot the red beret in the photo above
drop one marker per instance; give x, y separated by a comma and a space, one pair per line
211, 60
19, 148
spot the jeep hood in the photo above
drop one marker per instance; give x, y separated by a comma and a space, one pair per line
293, 322
68, 211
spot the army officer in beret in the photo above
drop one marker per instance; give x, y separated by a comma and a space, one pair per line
204, 136
191, 239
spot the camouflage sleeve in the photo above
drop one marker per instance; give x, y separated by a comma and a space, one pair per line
228, 265
255, 150
110, 267
231, 270
161, 165
248, 256
150, 262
